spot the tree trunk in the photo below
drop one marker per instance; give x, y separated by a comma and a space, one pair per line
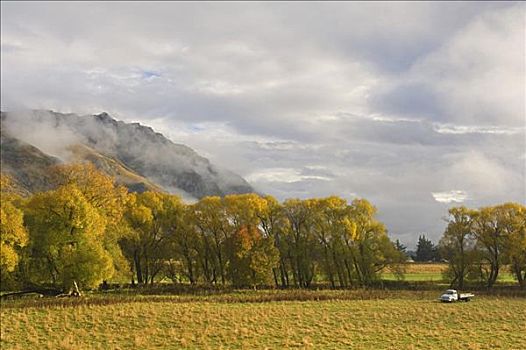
221, 265
284, 273
146, 274
341, 280
275, 275
189, 264
349, 273
138, 269
328, 264
494, 271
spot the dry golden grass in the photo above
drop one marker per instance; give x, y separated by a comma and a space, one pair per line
434, 272
420, 269
489, 322
425, 268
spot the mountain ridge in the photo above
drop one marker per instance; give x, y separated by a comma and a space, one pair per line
135, 154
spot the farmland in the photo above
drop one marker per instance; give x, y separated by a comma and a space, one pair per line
167, 318
432, 272
338, 320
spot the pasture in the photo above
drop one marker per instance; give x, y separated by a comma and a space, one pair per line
433, 272
357, 319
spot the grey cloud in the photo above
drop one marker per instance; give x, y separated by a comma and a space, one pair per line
391, 102
410, 99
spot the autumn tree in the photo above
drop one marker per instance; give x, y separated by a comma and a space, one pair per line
328, 221
264, 258
273, 222
104, 195
212, 226
489, 231
251, 255
151, 220
513, 222
300, 242
372, 251
478, 243
184, 247
67, 234
457, 245
13, 235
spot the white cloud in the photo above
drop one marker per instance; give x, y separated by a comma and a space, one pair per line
475, 129
454, 196
283, 175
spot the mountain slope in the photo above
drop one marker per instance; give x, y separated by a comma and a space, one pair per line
25, 164
112, 167
134, 153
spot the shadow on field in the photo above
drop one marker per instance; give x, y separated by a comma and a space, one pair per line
180, 293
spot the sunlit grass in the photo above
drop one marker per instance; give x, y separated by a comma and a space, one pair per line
396, 321
414, 277
419, 272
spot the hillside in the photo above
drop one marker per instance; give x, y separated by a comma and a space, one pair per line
134, 154
26, 164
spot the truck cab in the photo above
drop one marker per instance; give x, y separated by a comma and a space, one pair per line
451, 295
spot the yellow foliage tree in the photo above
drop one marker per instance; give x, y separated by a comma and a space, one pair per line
212, 225
13, 235
152, 219
105, 196
513, 222
67, 239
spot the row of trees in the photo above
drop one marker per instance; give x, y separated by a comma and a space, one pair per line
86, 230
478, 243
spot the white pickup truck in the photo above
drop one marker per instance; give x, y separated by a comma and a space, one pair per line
452, 295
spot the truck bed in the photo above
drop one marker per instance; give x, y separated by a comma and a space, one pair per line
464, 296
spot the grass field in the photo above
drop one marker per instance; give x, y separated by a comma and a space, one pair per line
338, 320
419, 272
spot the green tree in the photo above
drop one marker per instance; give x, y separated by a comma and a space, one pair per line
400, 247
425, 249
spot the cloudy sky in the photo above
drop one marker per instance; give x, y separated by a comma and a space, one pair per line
414, 106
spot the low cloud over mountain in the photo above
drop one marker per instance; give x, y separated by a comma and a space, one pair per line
137, 155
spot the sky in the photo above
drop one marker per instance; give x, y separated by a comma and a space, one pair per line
416, 107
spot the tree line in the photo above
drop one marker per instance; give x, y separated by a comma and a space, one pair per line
86, 229
479, 243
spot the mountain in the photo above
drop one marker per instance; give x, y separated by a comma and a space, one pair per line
26, 164
134, 154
